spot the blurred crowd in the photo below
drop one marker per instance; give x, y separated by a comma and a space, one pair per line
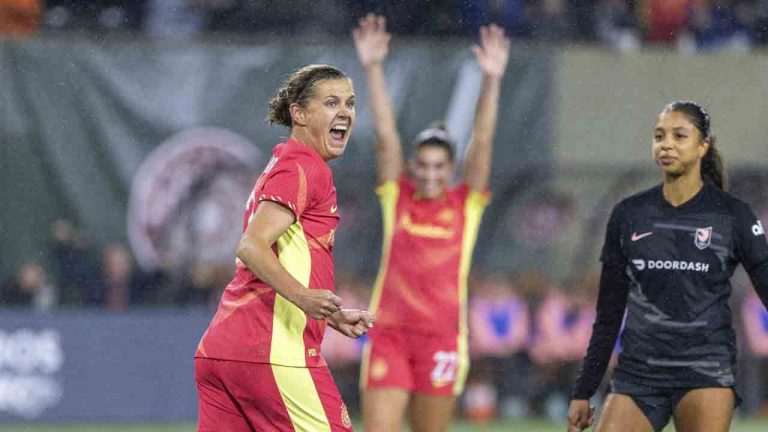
76, 273
528, 331
704, 25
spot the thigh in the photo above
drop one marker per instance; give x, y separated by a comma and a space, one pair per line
310, 398
335, 409
217, 409
428, 413
705, 410
621, 414
386, 362
439, 365
378, 419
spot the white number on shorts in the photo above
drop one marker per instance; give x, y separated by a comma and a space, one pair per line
446, 363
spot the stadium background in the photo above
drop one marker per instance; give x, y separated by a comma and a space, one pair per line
136, 139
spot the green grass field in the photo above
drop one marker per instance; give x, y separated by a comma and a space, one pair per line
527, 426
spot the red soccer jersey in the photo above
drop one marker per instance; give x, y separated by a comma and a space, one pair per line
253, 323
426, 256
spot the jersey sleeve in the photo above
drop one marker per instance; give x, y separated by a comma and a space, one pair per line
752, 249
611, 304
612, 252
389, 192
475, 200
290, 183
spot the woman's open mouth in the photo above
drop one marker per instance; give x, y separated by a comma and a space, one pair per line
338, 133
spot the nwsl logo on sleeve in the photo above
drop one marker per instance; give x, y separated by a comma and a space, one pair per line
703, 237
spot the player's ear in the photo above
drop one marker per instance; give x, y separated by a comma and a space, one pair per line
298, 116
703, 148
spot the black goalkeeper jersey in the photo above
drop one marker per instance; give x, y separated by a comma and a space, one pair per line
670, 268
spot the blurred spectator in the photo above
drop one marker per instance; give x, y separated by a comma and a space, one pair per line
552, 351
121, 284
202, 285
535, 287
73, 263
104, 15
581, 314
666, 20
582, 14
498, 319
20, 18
761, 23
510, 14
550, 21
285, 17
174, 18
498, 333
28, 288
617, 24
755, 319
551, 321
720, 24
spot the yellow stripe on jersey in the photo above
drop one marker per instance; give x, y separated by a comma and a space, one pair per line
388, 194
288, 321
473, 212
365, 364
297, 388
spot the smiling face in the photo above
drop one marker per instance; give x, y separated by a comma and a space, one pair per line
432, 169
325, 122
678, 145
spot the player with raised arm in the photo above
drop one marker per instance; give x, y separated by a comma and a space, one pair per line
416, 358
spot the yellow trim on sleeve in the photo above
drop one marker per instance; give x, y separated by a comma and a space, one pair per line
288, 321
388, 193
473, 213
365, 364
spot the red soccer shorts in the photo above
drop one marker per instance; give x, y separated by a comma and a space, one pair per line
237, 396
432, 365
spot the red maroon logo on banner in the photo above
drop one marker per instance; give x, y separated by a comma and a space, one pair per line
187, 197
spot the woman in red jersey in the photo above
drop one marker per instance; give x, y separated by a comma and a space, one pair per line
259, 365
430, 229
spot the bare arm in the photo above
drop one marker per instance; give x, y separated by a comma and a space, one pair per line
372, 44
492, 55
269, 221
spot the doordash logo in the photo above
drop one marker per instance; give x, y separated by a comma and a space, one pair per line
641, 265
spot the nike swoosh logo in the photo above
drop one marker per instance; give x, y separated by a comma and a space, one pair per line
333, 208
636, 236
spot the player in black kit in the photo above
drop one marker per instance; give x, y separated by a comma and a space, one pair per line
668, 255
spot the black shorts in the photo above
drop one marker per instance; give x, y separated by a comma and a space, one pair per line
657, 403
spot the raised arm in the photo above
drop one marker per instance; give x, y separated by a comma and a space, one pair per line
372, 44
492, 55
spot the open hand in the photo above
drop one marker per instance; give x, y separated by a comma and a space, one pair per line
493, 52
371, 39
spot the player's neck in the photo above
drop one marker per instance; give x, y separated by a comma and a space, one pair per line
303, 136
678, 190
